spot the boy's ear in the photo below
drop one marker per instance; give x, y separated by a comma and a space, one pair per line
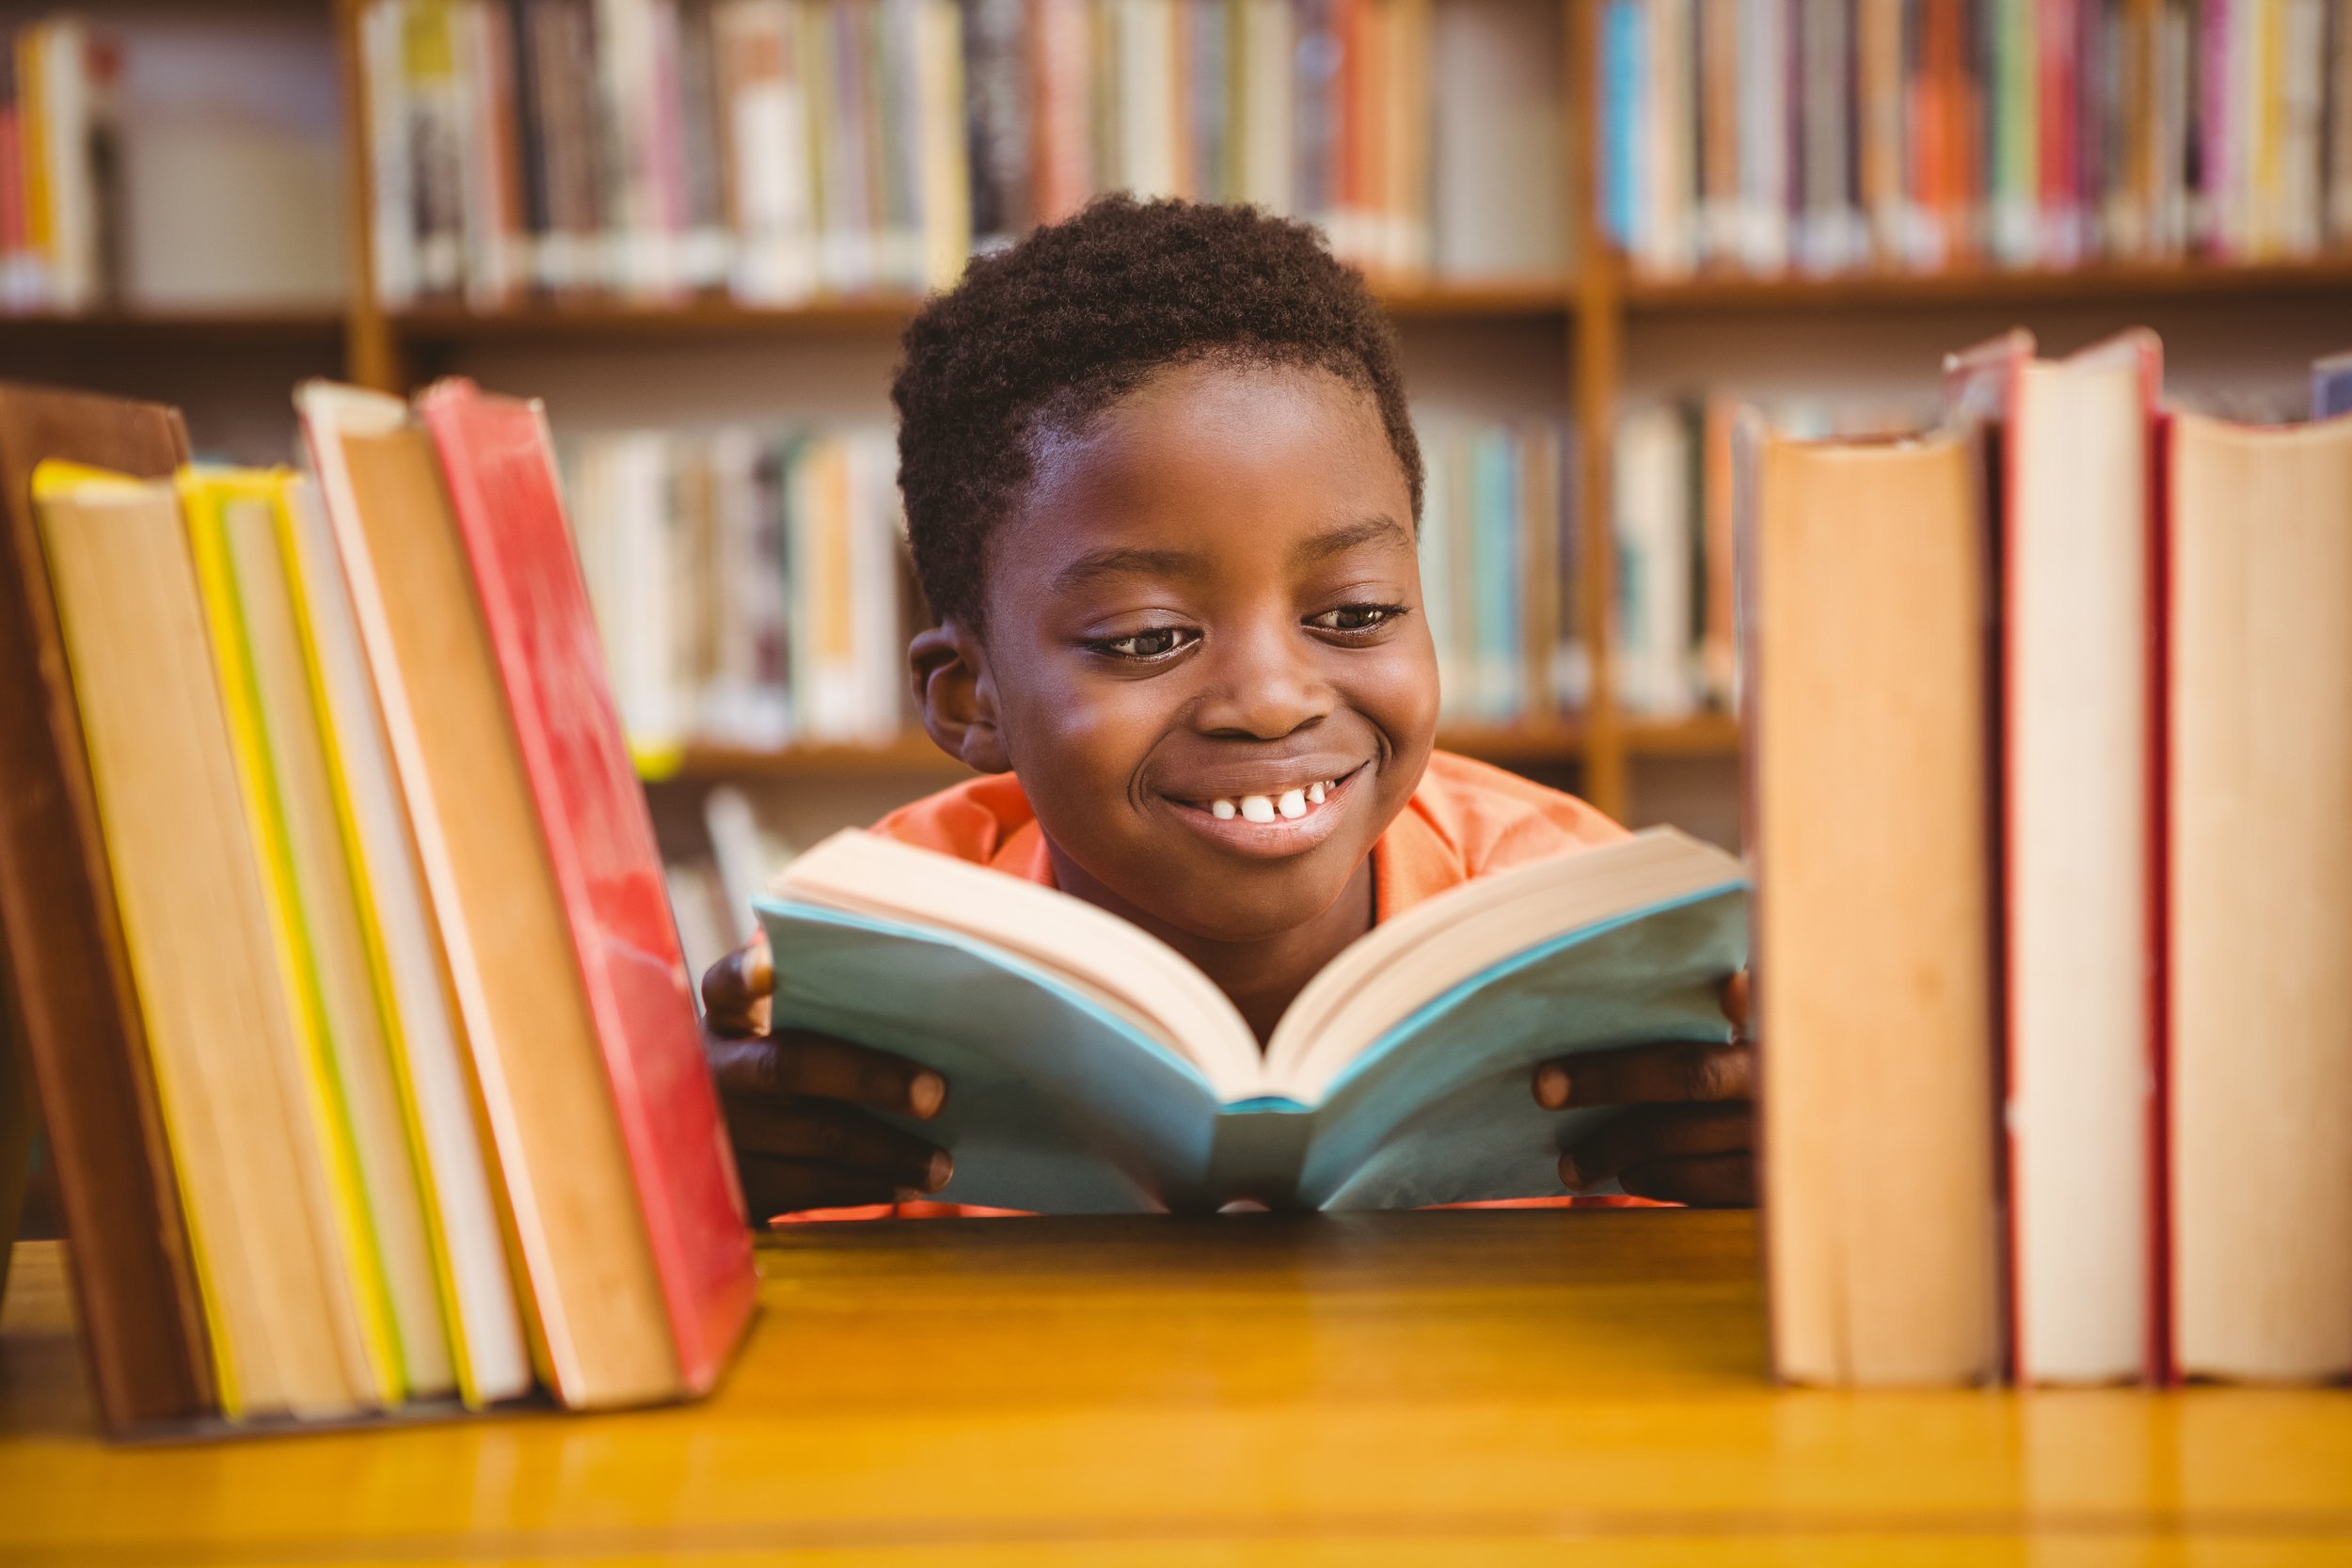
949, 667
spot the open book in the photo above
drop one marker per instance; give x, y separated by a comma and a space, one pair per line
1091, 1069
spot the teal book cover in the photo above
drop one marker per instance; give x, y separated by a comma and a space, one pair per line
1088, 1074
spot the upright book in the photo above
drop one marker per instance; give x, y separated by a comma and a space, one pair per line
499, 465
2075, 524
1869, 818
2258, 856
1092, 1070
252, 1143
84, 1039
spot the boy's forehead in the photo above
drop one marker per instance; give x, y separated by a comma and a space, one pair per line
1258, 441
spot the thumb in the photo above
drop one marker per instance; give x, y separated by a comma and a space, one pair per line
735, 989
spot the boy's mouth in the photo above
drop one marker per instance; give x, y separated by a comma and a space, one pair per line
1285, 820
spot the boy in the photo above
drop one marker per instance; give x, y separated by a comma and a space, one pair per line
1162, 492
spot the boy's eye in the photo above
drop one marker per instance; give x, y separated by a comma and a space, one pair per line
1158, 643
1356, 617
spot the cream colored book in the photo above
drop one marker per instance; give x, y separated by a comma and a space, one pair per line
2259, 859
231, 516
487, 1356
250, 1152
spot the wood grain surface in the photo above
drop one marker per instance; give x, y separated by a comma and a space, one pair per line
1433, 1387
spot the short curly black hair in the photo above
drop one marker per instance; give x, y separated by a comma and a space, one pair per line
1042, 335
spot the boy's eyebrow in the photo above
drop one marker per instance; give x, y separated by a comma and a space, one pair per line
1338, 541
1123, 561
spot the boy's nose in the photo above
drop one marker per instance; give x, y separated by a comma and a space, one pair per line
1261, 686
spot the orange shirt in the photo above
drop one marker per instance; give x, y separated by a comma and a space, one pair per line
1465, 819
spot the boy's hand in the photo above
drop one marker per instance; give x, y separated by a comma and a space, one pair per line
1690, 1136
791, 1102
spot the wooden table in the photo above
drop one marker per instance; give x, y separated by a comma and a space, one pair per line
1365, 1389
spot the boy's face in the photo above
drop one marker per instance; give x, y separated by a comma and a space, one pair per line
1206, 657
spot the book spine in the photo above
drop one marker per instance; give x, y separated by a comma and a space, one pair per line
997, 56
392, 211
705, 256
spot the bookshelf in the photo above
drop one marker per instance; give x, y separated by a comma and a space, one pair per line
1583, 320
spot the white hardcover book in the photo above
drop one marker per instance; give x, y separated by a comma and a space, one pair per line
392, 213
764, 98
1267, 104
1666, 249
944, 152
2076, 530
1764, 172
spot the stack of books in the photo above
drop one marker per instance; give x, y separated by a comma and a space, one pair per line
753, 589
2051, 721
337, 928
776, 150
1826, 135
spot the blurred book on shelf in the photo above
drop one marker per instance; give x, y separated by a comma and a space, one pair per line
774, 151
1499, 553
1677, 650
160, 164
1828, 136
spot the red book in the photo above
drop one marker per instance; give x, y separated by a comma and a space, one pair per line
501, 474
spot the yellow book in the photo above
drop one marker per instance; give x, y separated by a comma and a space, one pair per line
405, 962
246, 1151
379, 1226
32, 122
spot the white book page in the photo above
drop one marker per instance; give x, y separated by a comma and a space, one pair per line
1428, 951
1111, 960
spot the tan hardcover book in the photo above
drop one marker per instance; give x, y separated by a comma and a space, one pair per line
603, 1325
189, 878
133, 1283
2259, 862
1868, 790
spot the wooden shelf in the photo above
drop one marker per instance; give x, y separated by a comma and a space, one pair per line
143, 329
2093, 283
704, 317
1704, 734
1560, 740
698, 318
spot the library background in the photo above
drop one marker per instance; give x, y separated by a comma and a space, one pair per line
696, 230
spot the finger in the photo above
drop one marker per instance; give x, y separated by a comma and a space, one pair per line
772, 1187
1674, 1071
1711, 1181
735, 989
1651, 1133
825, 1133
798, 1063
1736, 1001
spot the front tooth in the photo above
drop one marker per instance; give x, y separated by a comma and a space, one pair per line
1221, 810
1293, 803
1257, 808
1314, 792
